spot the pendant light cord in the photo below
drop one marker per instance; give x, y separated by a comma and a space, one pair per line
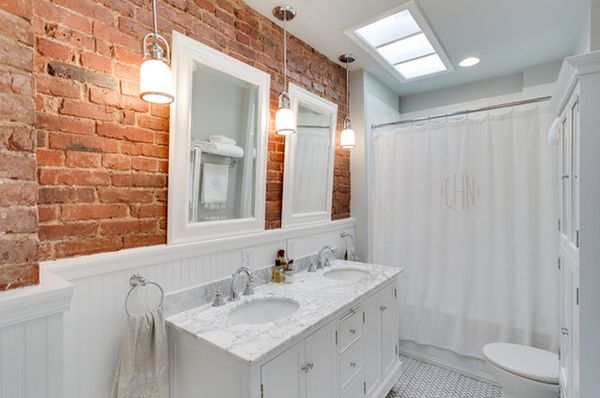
284, 52
347, 92
154, 20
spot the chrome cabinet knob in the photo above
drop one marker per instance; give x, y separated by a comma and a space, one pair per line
352, 364
352, 331
564, 331
383, 308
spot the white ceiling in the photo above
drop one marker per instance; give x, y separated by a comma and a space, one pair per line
508, 35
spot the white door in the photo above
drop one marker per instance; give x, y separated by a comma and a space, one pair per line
283, 376
372, 342
321, 358
389, 329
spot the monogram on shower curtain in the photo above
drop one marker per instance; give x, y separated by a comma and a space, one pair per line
469, 208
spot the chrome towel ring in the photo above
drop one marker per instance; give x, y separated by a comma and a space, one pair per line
137, 280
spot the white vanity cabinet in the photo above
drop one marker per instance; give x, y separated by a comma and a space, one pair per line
576, 103
307, 370
351, 353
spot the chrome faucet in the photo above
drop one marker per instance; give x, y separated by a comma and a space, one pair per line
325, 263
234, 296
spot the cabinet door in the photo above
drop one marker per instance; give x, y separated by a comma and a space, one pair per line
569, 321
372, 342
389, 329
574, 125
565, 177
283, 376
322, 361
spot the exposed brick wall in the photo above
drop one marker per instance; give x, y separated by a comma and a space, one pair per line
102, 153
18, 187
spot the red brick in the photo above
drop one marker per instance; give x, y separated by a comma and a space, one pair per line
95, 61
129, 57
86, 110
17, 251
47, 157
18, 194
114, 35
47, 84
139, 180
67, 230
128, 227
13, 27
47, 213
21, 8
144, 164
17, 167
87, 246
80, 74
55, 50
125, 195
88, 9
74, 177
51, 12
81, 143
19, 275
114, 99
17, 108
83, 159
149, 210
75, 125
143, 240
16, 138
153, 123
93, 211
128, 133
18, 220
118, 162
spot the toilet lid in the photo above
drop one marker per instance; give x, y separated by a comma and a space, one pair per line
529, 362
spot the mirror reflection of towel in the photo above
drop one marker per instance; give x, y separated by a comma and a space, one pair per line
215, 179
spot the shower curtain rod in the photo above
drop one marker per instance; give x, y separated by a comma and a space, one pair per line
465, 112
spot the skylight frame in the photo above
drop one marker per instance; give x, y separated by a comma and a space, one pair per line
418, 16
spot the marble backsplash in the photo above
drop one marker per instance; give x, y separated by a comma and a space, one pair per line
183, 300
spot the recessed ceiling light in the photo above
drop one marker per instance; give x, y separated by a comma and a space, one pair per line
469, 61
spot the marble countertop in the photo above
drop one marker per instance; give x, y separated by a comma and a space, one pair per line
319, 298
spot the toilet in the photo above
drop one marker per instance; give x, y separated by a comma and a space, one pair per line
523, 371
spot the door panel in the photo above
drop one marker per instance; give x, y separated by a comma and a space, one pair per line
321, 352
372, 342
390, 324
283, 376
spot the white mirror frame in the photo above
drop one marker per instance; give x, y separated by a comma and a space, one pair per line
186, 52
300, 95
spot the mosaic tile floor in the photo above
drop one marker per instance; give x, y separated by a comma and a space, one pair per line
423, 380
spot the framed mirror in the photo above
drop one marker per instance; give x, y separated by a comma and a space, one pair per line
309, 156
218, 142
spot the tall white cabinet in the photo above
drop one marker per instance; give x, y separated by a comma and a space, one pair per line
577, 104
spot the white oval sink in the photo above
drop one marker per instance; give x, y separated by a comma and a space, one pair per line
263, 310
346, 274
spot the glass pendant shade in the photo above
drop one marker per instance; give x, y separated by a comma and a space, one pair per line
156, 82
285, 121
347, 138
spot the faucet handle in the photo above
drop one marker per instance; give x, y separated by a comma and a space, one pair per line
218, 300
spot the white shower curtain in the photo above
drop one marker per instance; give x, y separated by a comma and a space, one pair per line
469, 208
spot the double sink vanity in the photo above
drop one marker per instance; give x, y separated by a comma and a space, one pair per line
329, 333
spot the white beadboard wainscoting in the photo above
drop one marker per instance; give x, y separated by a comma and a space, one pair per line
94, 325
31, 339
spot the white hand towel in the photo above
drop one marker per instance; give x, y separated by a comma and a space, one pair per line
217, 148
554, 132
143, 367
221, 139
215, 179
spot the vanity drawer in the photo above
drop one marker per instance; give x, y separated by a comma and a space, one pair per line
350, 328
351, 363
355, 389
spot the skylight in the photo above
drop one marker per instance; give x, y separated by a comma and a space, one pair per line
403, 42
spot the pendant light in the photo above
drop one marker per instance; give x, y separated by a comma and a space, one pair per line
285, 121
156, 80
347, 137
